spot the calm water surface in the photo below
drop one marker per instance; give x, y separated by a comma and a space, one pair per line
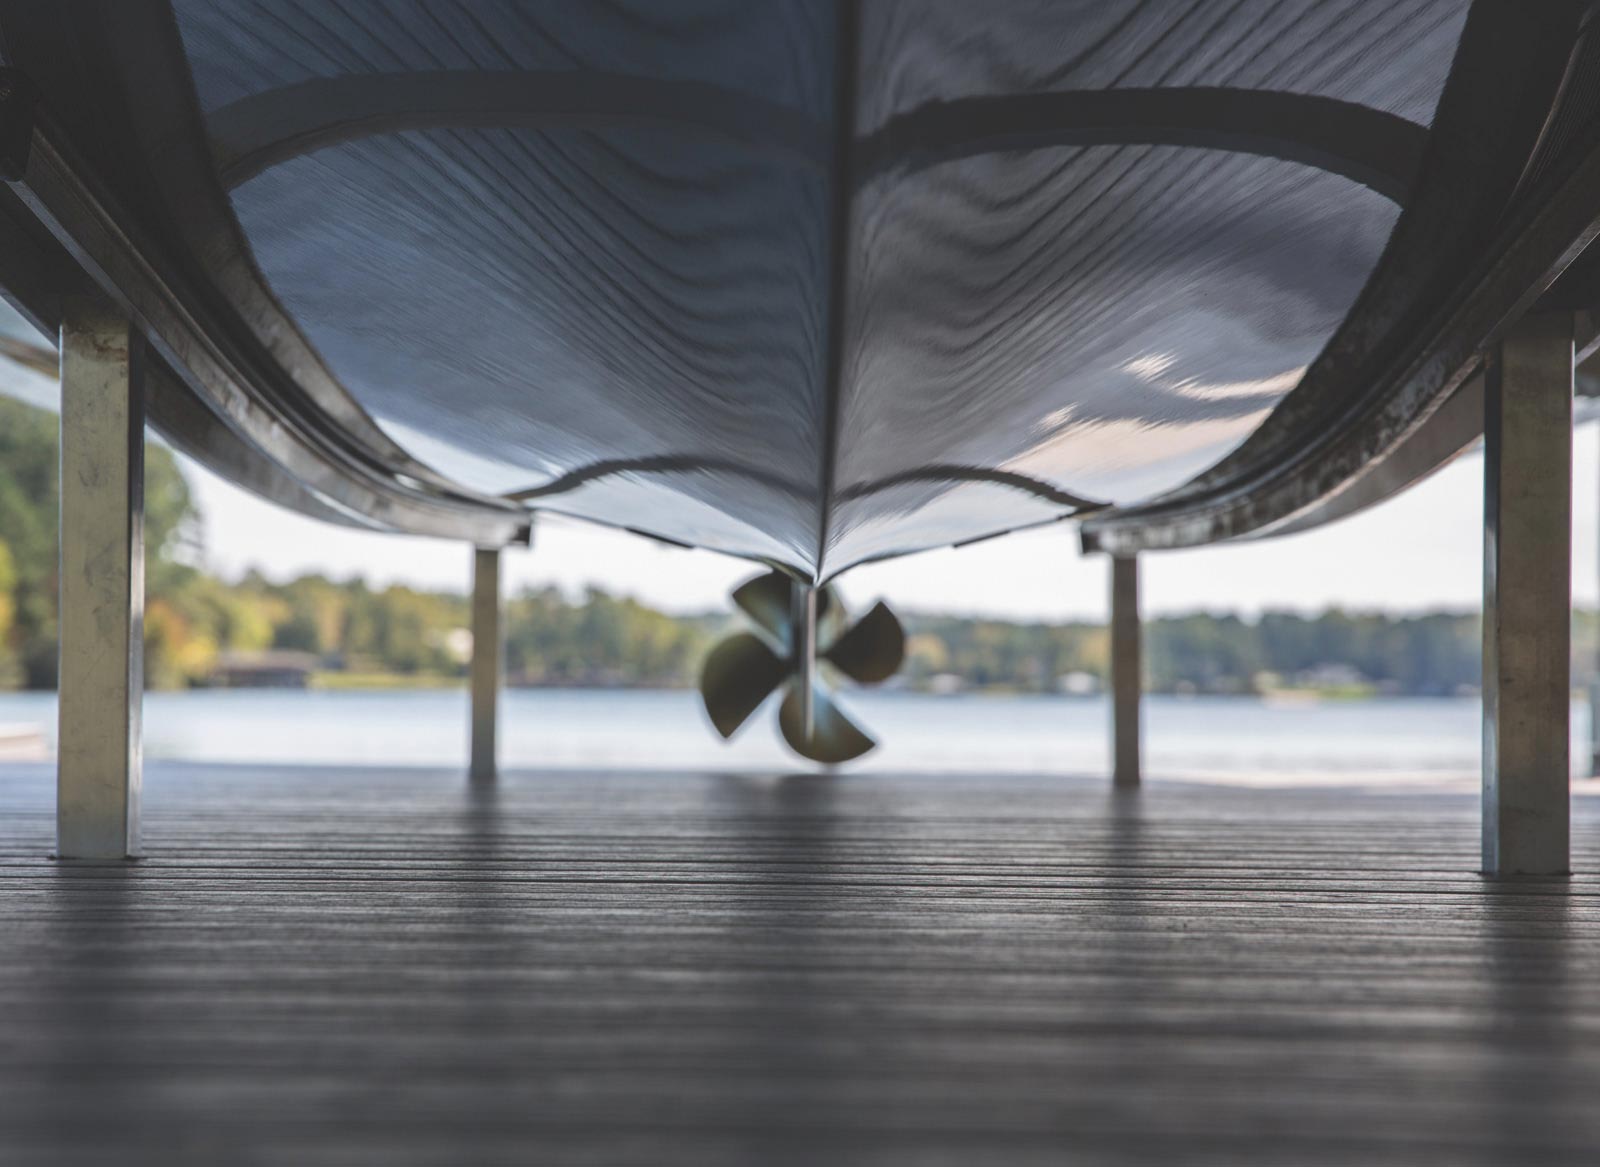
667, 730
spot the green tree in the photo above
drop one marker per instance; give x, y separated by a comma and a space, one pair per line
29, 513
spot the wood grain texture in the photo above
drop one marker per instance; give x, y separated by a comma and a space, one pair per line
318, 966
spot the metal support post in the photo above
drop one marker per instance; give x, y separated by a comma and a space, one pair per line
1127, 673
1527, 614
101, 615
1594, 702
486, 666
1594, 717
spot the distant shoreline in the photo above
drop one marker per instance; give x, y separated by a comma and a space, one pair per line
332, 682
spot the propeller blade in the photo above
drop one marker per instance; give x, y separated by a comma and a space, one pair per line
766, 600
769, 601
834, 737
736, 678
872, 650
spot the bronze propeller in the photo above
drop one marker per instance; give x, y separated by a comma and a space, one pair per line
793, 622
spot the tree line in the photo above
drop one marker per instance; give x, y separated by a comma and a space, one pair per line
193, 618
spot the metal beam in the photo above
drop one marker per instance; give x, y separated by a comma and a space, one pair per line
265, 129
1455, 428
146, 175
1380, 150
1474, 249
37, 273
192, 428
236, 380
1452, 430
487, 640
130, 215
102, 584
1524, 261
1527, 613
174, 413
1127, 672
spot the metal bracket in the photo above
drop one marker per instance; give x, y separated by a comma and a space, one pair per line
19, 97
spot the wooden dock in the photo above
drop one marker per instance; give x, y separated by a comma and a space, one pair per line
347, 966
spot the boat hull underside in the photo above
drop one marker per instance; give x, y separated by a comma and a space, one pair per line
736, 276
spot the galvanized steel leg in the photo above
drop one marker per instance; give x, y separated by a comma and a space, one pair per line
1594, 710
486, 653
101, 584
1127, 674
1527, 567
1594, 720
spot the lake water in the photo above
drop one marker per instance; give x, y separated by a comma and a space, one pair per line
1226, 737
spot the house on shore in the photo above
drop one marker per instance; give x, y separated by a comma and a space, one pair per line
275, 669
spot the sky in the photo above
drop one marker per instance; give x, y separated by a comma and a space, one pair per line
1419, 551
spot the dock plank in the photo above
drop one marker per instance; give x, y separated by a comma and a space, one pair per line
386, 966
